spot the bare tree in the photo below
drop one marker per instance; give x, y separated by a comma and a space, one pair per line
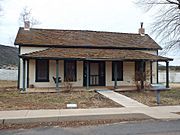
166, 25
26, 15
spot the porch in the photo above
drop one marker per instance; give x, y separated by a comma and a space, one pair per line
114, 68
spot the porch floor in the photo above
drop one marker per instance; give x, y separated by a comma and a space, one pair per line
92, 88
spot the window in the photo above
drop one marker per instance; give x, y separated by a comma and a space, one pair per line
119, 70
42, 71
138, 75
70, 70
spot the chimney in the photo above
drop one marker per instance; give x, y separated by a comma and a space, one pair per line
26, 25
142, 30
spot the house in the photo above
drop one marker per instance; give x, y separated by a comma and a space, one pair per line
86, 58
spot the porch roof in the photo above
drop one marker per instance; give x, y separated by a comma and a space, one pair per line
93, 54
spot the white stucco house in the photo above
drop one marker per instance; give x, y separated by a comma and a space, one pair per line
86, 58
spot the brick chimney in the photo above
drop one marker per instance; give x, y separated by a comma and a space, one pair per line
26, 25
142, 30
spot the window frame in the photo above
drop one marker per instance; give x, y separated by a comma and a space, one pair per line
37, 70
120, 75
65, 71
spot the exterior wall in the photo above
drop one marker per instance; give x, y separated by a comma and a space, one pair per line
151, 52
154, 66
154, 72
128, 74
24, 50
52, 72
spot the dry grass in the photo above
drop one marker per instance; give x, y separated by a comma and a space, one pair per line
171, 97
11, 99
6, 84
71, 123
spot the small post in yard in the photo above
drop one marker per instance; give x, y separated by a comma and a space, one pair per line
57, 75
158, 96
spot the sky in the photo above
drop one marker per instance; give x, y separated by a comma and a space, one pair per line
99, 15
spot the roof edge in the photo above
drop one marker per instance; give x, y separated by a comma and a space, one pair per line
87, 46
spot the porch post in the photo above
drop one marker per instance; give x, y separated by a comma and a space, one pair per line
27, 73
115, 75
151, 72
57, 75
87, 75
157, 73
142, 75
24, 72
167, 74
18, 84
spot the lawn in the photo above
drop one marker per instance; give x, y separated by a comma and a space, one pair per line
171, 97
11, 99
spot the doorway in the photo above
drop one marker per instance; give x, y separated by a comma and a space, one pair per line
96, 73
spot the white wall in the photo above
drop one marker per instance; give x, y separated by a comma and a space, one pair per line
52, 72
24, 50
128, 74
154, 66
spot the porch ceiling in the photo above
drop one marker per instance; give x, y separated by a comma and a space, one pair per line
93, 54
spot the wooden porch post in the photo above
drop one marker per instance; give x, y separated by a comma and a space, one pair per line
142, 75
167, 74
24, 76
27, 73
151, 72
57, 75
87, 75
18, 84
157, 73
115, 75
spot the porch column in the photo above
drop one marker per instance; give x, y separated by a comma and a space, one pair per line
24, 76
157, 73
142, 75
87, 75
57, 75
151, 72
115, 75
18, 84
28, 73
167, 74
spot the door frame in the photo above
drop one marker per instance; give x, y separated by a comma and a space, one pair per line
101, 68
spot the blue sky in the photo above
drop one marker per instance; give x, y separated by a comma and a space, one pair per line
99, 15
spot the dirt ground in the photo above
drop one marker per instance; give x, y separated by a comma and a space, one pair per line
74, 124
170, 97
7, 84
11, 99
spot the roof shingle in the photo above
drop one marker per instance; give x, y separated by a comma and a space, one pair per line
84, 38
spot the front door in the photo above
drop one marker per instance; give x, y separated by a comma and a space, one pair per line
96, 73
